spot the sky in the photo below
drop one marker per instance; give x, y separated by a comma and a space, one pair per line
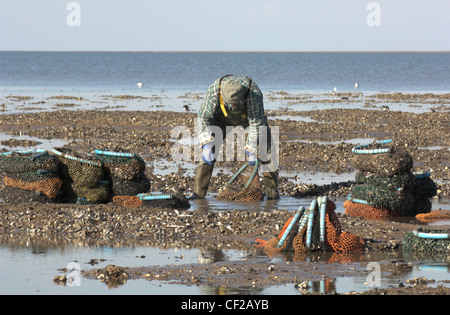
227, 25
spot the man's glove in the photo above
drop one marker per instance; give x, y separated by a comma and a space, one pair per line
251, 158
207, 153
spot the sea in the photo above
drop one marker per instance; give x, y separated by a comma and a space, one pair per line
315, 72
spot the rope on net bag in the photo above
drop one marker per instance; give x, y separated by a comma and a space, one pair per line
314, 229
152, 201
243, 186
427, 241
124, 171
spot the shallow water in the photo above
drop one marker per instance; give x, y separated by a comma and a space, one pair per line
147, 99
30, 269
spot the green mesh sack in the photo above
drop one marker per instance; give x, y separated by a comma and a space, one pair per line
427, 241
125, 172
27, 161
421, 205
173, 201
83, 170
176, 201
96, 194
137, 185
124, 165
401, 181
424, 186
378, 197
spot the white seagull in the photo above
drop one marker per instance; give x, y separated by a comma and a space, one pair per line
139, 85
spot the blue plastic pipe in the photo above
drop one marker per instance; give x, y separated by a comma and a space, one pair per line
294, 220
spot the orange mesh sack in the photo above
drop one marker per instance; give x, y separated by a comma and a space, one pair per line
434, 216
313, 229
363, 210
48, 185
271, 246
340, 241
243, 186
127, 201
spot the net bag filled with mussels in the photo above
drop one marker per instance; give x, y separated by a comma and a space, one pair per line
244, 185
30, 175
125, 172
149, 200
83, 177
385, 186
427, 241
316, 228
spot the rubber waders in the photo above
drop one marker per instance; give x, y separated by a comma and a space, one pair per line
271, 185
202, 177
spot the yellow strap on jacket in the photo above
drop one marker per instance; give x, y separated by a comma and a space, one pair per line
222, 105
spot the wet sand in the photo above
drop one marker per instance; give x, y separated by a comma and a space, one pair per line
312, 140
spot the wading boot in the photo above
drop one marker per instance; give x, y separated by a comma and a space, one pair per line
202, 177
271, 185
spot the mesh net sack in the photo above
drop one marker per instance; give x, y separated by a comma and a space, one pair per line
400, 181
171, 201
427, 240
49, 184
28, 161
32, 170
86, 171
315, 229
421, 206
74, 193
382, 158
243, 186
399, 201
123, 165
424, 186
435, 215
122, 187
362, 210
125, 172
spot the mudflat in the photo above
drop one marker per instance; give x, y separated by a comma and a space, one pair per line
312, 141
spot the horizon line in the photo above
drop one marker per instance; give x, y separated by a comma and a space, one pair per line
238, 51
